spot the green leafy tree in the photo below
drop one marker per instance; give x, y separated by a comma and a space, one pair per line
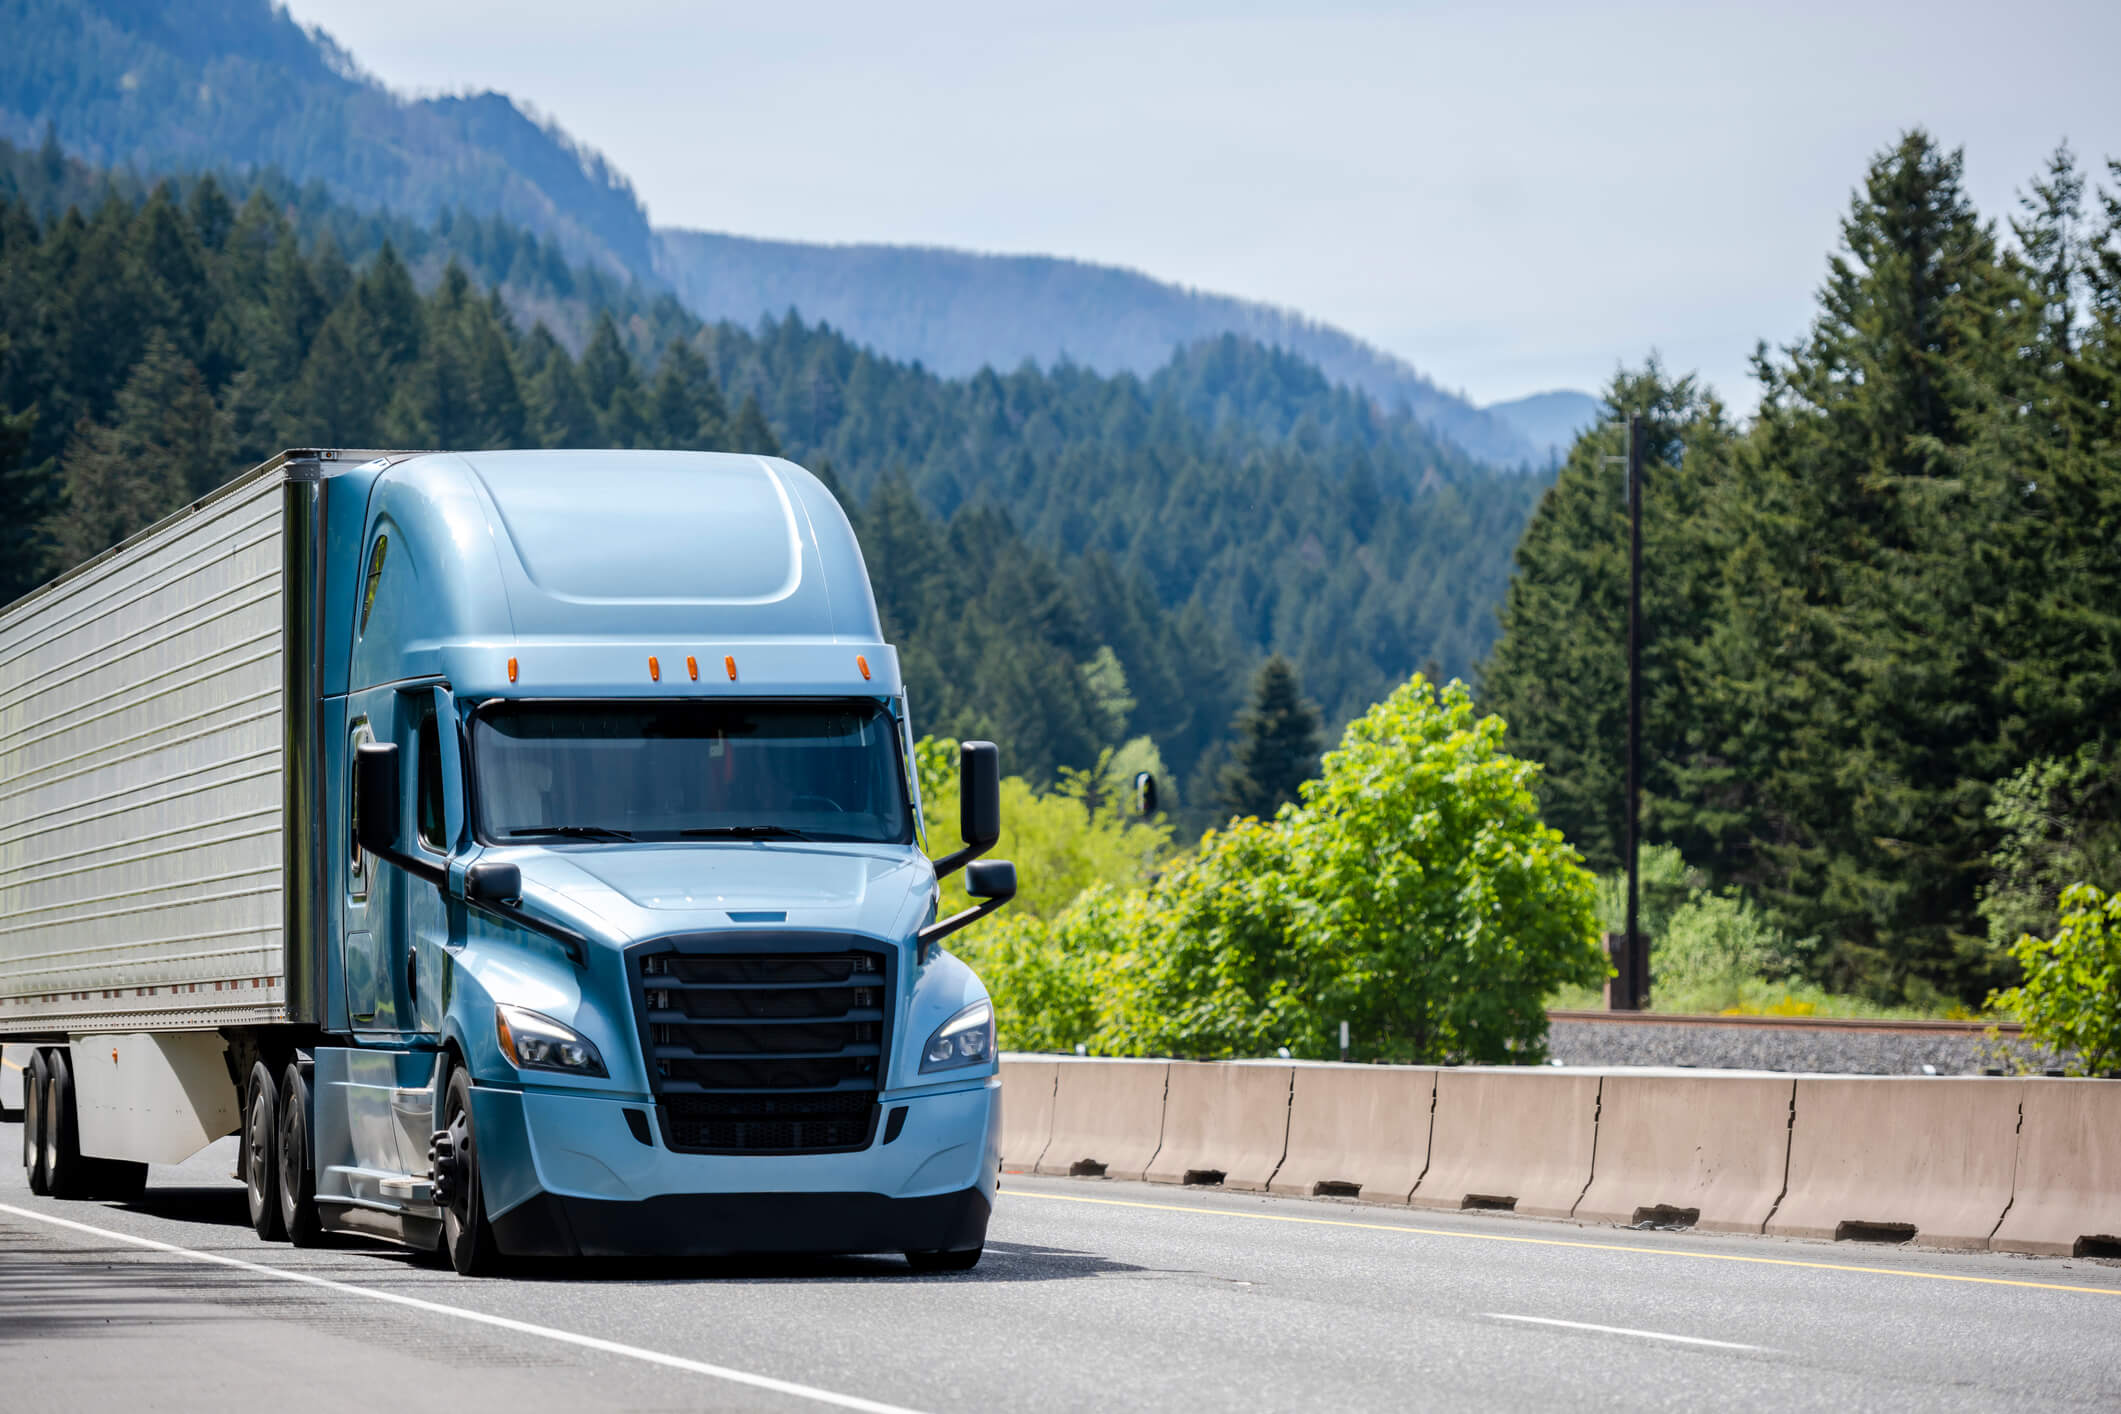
1277, 744
2070, 1000
1415, 893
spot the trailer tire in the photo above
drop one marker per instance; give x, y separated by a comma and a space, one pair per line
35, 1078
467, 1235
297, 1164
260, 1153
65, 1171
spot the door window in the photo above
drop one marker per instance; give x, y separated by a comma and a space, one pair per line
357, 862
428, 747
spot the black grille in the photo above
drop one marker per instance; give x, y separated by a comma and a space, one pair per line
765, 1123
764, 1052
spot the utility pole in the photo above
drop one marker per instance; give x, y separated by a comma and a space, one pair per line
1637, 951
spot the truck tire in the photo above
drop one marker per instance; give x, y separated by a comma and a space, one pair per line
261, 1153
65, 1171
297, 1177
36, 1077
466, 1234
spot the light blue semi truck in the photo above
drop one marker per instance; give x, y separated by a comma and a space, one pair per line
519, 851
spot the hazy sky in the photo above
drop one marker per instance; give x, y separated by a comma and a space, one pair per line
1512, 197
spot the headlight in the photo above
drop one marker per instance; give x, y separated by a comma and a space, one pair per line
965, 1039
537, 1042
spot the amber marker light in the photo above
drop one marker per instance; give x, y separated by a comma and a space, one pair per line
862, 662
655, 669
729, 663
511, 670
692, 666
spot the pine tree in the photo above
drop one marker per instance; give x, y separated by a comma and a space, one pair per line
26, 490
560, 413
749, 431
163, 449
1277, 744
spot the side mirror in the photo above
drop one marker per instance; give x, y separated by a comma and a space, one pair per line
1144, 793
489, 882
979, 804
377, 810
991, 879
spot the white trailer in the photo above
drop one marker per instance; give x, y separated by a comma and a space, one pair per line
149, 761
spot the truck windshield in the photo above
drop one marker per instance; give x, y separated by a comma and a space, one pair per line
689, 770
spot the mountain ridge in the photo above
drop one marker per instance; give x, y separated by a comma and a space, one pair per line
214, 84
956, 311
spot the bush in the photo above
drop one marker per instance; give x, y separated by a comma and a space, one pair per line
1062, 842
1414, 894
1712, 947
2070, 1000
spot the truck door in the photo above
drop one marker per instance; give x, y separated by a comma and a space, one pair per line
396, 925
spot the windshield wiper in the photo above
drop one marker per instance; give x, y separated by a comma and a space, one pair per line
573, 832
742, 832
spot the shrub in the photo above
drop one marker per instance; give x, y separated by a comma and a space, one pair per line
2070, 1000
1415, 894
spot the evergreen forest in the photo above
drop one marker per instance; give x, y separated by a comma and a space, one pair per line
1071, 563
1882, 655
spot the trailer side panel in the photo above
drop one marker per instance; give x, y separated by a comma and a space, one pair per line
142, 780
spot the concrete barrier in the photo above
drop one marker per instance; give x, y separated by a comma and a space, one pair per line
1108, 1118
1899, 1159
1357, 1132
1708, 1153
1223, 1124
1027, 1111
2066, 1199
1519, 1140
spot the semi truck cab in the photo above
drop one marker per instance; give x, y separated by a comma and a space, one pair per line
609, 921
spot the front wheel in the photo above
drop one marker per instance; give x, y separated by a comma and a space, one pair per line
945, 1261
466, 1234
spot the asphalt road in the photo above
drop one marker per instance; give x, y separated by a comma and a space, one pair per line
1093, 1296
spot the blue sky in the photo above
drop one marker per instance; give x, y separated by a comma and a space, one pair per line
1512, 197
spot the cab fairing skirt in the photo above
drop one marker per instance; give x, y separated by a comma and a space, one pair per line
587, 1183
727, 1224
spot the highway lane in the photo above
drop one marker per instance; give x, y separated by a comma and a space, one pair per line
1093, 1295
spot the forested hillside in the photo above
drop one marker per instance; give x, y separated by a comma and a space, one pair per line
1072, 562
957, 312
1883, 655
174, 87
239, 86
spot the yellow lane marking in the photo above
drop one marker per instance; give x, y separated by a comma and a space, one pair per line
1564, 1242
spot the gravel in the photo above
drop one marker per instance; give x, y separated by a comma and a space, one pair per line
1752, 1047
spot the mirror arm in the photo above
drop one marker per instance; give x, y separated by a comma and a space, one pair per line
944, 927
958, 858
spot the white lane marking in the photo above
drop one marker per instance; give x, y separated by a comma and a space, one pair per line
1621, 1330
587, 1342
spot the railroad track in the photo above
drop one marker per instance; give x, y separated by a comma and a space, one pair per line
1878, 1025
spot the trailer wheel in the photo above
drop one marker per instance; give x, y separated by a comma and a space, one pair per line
298, 1170
65, 1172
35, 1077
260, 1154
945, 1261
466, 1233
